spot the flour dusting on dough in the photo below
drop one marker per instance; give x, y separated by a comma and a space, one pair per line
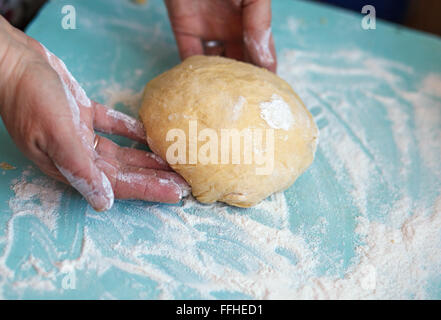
238, 107
277, 113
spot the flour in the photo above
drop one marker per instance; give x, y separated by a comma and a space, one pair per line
130, 123
277, 113
44, 191
261, 45
259, 252
115, 94
98, 191
34, 197
238, 108
432, 85
293, 24
73, 90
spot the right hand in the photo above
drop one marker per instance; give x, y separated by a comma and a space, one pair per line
52, 121
243, 27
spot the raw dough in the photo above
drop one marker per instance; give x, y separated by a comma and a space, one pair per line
221, 93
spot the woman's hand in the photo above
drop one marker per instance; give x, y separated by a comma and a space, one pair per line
242, 26
50, 118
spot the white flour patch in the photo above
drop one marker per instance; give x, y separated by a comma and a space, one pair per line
277, 113
238, 108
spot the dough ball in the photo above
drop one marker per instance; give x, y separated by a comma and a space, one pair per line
226, 97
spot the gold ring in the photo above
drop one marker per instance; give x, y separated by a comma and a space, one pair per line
95, 141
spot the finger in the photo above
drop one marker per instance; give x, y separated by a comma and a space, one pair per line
234, 50
107, 120
257, 33
76, 163
188, 45
144, 184
183, 17
129, 156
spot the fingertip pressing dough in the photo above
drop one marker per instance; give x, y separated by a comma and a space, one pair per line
224, 95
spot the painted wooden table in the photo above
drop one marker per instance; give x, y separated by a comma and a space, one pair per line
363, 222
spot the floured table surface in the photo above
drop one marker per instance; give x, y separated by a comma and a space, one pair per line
363, 222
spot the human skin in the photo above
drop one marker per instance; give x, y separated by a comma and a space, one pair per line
242, 26
52, 121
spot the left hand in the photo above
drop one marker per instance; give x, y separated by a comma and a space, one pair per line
242, 26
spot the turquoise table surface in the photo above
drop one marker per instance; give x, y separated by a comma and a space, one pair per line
364, 221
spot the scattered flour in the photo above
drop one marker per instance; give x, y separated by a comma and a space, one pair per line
42, 191
115, 94
256, 252
432, 85
34, 197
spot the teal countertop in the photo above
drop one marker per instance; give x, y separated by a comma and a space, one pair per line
363, 222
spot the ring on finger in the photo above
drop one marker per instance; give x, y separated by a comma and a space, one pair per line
213, 48
96, 141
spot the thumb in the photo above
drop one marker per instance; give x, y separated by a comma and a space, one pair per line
258, 39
